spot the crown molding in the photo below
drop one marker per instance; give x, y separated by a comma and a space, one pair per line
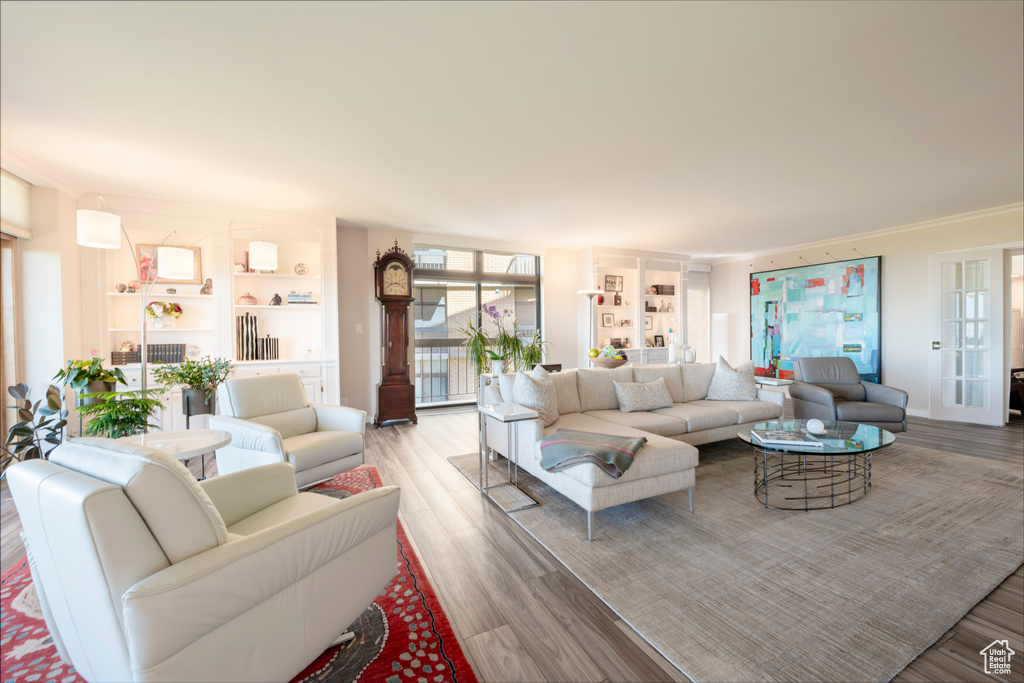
908, 227
34, 173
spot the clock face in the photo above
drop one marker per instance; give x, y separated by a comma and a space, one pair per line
396, 281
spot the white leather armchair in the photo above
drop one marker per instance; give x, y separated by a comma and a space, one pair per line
270, 421
145, 574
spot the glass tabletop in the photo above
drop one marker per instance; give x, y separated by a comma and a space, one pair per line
838, 437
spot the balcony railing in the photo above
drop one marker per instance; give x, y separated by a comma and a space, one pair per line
444, 373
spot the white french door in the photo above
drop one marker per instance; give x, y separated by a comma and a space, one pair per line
966, 370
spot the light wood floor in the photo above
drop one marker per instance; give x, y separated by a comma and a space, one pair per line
522, 616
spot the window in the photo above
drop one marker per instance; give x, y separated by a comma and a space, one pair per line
15, 205
451, 286
8, 329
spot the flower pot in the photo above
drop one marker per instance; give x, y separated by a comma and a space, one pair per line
95, 388
193, 402
497, 367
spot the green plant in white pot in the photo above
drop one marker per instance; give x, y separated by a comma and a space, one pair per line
200, 379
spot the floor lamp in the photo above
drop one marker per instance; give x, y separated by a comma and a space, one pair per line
591, 293
102, 230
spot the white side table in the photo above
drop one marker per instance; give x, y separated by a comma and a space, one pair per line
507, 414
184, 444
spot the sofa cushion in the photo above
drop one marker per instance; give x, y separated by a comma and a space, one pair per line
565, 388
289, 423
748, 411
660, 456
538, 395
696, 380
597, 388
699, 415
865, 411
663, 425
733, 385
306, 451
635, 397
672, 374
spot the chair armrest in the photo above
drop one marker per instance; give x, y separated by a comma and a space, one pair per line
772, 397
241, 494
187, 601
879, 393
812, 393
250, 436
339, 419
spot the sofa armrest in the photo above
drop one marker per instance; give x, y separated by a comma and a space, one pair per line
339, 419
250, 436
772, 397
879, 393
812, 393
185, 602
241, 494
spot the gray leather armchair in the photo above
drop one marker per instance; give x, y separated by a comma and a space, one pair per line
144, 574
830, 389
270, 420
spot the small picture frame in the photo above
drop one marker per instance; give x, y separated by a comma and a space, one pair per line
607, 320
659, 341
146, 255
613, 283
649, 342
648, 322
625, 323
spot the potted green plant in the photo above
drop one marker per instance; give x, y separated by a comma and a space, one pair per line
39, 427
90, 379
201, 378
121, 413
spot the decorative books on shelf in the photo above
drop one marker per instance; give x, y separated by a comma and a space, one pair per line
779, 437
301, 299
250, 345
155, 353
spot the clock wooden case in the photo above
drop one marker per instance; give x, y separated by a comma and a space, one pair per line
393, 278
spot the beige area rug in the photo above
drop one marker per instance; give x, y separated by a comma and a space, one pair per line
738, 592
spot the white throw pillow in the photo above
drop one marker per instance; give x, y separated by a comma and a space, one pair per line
635, 397
565, 388
731, 384
537, 395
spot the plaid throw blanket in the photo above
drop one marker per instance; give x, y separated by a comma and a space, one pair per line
566, 447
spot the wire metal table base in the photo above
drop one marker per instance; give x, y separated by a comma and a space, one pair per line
810, 481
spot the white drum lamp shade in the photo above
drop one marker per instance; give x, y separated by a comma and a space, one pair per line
174, 263
262, 255
99, 229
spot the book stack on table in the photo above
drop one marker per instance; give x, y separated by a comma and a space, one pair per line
779, 437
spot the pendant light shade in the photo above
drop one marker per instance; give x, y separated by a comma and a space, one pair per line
174, 263
262, 255
99, 229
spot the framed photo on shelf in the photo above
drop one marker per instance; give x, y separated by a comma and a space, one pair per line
649, 342
613, 283
146, 254
648, 322
659, 341
607, 320
625, 323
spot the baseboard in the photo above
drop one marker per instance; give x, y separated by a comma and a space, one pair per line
918, 413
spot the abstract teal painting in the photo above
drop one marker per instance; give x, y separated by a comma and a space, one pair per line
830, 309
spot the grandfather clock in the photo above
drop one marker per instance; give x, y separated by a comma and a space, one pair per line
396, 395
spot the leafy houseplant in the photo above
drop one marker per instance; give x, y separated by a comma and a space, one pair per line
90, 377
121, 413
508, 346
38, 426
202, 377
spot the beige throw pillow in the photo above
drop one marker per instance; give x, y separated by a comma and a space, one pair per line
565, 388
537, 395
731, 384
642, 396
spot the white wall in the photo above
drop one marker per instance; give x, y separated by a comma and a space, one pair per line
906, 340
354, 288
559, 307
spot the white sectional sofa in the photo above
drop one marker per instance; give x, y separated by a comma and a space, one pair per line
587, 401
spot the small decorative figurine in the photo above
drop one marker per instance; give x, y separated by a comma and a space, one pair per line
276, 301
171, 290
129, 290
662, 308
239, 267
652, 290
208, 287
301, 269
133, 285
120, 288
127, 346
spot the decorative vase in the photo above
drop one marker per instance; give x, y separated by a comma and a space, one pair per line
246, 299
194, 402
497, 367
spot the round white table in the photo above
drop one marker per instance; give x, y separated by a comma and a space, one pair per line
184, 444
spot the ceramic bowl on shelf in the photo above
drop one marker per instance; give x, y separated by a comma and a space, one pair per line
246, 299
609, 363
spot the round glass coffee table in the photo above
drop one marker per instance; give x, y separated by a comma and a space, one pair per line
793, 477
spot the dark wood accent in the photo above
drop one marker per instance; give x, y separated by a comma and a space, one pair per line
396, 394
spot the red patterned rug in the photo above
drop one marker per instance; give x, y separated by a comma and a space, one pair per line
404, 636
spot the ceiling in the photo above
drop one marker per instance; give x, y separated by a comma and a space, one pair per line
700, 128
